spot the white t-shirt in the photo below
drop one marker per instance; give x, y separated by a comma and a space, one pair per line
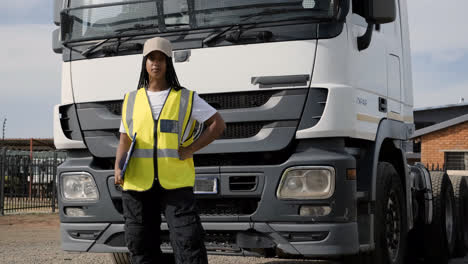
201, 110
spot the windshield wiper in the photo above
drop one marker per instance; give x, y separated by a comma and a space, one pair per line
236, 35
137, 27
215, 36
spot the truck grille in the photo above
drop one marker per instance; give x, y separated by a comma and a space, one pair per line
233, 130
242, 130
227, 207
114, 107
224, 241
238, 100
216, 207
218, 101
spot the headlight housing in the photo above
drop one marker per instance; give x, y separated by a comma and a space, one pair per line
78, 186
308, 182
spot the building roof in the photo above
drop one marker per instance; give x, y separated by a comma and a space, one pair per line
439, 126
39, 144
419, 109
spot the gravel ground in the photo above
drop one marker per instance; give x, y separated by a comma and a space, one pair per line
35, 238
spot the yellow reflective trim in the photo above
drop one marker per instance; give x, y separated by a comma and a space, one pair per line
129, 113
168, 153
124, 113
143, 153
187, 114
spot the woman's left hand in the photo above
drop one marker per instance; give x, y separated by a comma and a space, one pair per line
185, 153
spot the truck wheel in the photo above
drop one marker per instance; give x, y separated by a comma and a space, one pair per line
120, 258
390, 223
464, 213
439, 236
460, 191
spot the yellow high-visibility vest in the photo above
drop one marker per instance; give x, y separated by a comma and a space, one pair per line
159, 151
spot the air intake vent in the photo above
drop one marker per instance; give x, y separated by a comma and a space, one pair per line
238, 100
242, 130
65, 121
114, 107
243, 183
69, 122
315, 105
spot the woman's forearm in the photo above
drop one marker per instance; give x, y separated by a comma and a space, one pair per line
124, 145
214, 130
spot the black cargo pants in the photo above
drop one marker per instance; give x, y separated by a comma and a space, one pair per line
142, 214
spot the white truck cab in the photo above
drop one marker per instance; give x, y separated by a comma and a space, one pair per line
317, 98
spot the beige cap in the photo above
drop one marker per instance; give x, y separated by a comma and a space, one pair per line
158, 43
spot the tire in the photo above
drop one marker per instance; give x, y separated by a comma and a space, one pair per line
464, 213
390, 223
439, 236
460, 192
120, 258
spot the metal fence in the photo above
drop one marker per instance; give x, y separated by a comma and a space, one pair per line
27, 182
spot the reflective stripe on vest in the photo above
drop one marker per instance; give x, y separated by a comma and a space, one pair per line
172, 124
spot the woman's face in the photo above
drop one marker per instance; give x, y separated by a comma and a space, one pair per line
156, 65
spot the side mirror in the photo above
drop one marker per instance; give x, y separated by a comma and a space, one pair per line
56, 42
59, 5
66, 24
379, 11
375, 12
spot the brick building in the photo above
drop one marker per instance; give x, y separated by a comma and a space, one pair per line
445, 144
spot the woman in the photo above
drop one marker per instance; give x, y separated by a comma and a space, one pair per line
160, 176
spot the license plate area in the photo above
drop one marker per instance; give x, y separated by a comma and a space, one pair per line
206, 185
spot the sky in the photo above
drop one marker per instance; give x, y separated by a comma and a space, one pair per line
30, 73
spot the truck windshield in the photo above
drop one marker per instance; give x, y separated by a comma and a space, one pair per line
97, 19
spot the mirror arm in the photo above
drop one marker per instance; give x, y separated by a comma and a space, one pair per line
365, 40
343, 11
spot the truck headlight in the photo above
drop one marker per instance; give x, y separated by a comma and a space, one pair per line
307, 183
79, 186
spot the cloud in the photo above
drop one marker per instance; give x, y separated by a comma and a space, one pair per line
432, 91
21, 4
438, 28
450, 95
26, 11
439, 47
30, 75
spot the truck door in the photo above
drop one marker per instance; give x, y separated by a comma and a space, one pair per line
392, 35
368, 73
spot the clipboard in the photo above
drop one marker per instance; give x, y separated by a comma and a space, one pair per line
123, 163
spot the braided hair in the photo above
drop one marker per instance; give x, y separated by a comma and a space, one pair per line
171, 76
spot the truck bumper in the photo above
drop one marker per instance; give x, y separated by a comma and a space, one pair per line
286, 239
246, 221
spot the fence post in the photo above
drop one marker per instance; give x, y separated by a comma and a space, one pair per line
54, 180
2, 181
